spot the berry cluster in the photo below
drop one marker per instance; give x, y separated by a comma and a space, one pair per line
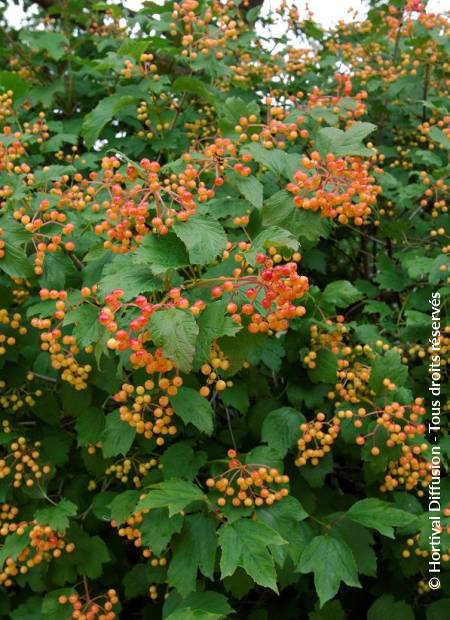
130, 530
8, 514
142, 202
111, 26
411, 471
11, 149
131, 467
339, 103
199, 35
398, 426
153, 124
413, 546
84, 607
147, 407
22, 460
146, 68
353, 365
62, 348
353, 379
11, 327
50, 229
217, 364
38, 128
340, 188
248, 485
268, 296
436, 195
217, 157
316, 439
62, 351
44, 544
202, 127
400, 422
21, 288
6, 103
275, 132
136, 336
331, 337
16, 398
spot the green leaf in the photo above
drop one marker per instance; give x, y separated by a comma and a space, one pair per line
287, 518
234, 107
330, 611
87, 328
13, 546
351, 143
387, 607
89, 425
117, 436
390, 276
123, 505
326, 367
439, 136
11, 80
15, 262
204, 239
360, 541
173, 494
201, 606
102, 114
388, 366
278, 208
331, 560
328, 139
176, 332
213, 323
435, 611
90, 555
157, 529
180, 461
250, 188
56, 142
193, 408
57, 269
245, 543
134, 47
272, 236
280, 429
341, 294
316, 474
161, 253
195, 549
340, 143
52, 608
273, 159
57, 517
29, 610
133, 280
194, 86
52, 173
53, 43
137, 581
236, 397
306, 226
379, 515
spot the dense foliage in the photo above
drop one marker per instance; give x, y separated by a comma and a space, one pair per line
218, 253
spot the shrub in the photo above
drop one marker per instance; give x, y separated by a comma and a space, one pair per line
219, 258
